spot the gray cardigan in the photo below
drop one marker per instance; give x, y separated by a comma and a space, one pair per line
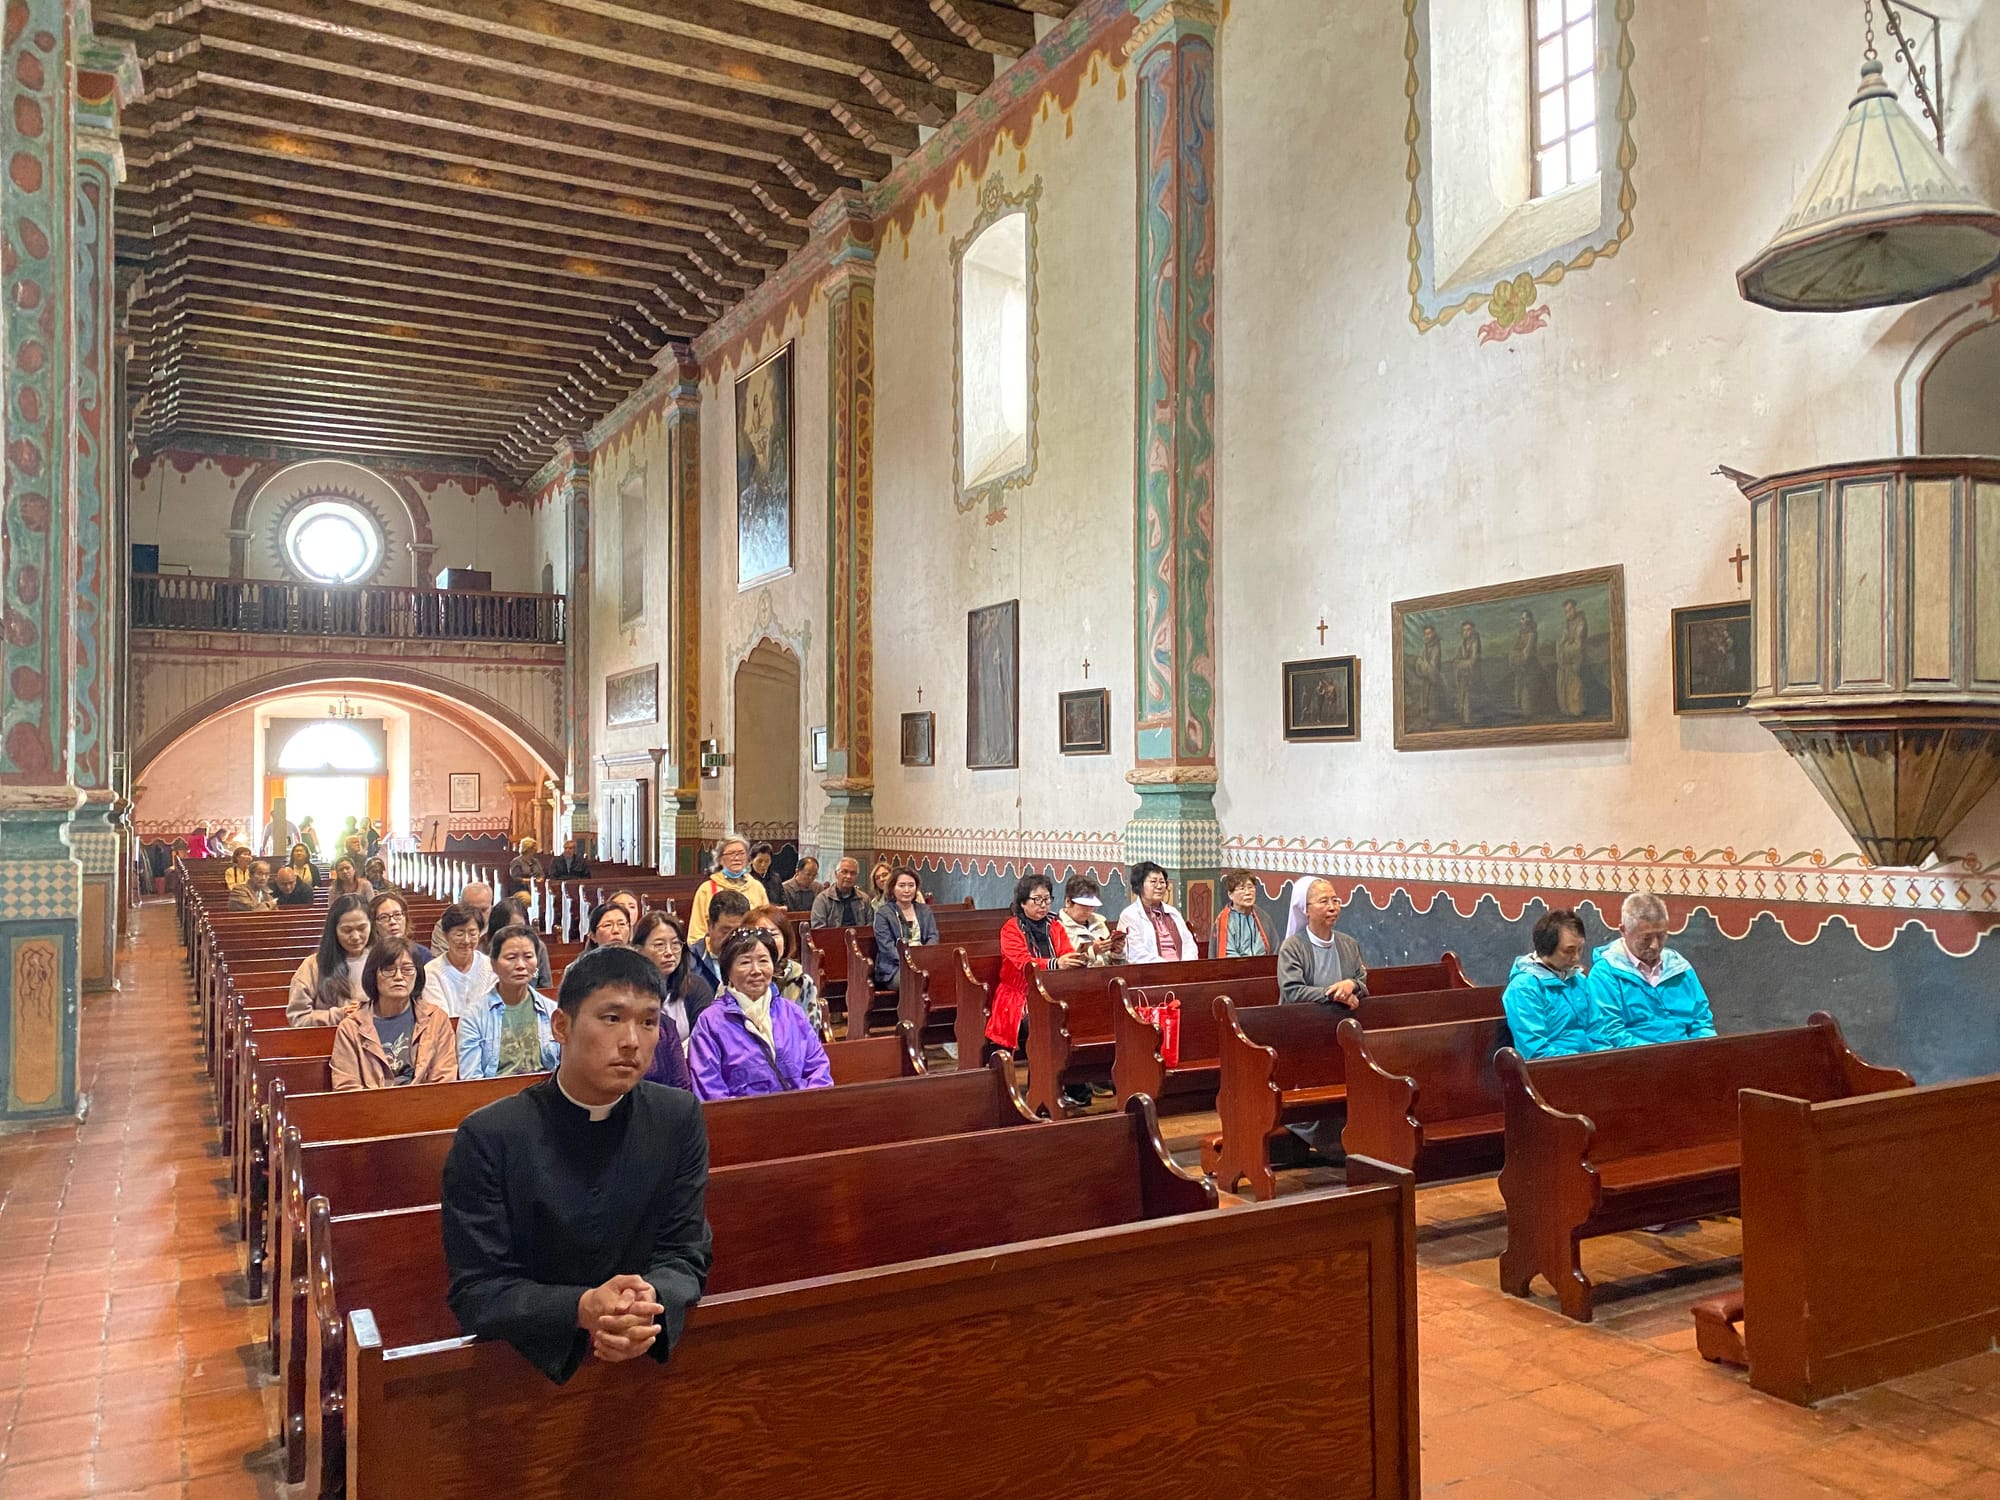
1306, 971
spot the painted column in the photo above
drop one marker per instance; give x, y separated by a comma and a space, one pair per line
573, 474
680, 809
40, 883
128, 283
1173, 46
106, 77
848, 824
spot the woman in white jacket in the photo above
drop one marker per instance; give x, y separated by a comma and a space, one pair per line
1154, 930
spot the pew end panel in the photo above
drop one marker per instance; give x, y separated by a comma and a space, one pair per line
1862, 1077
1547, 1183
1425, 1097
1137, 1066
1249, 1104
874, 1058
1314, 1370
1382, 1118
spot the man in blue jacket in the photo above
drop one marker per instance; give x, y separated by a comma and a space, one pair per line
1547, 998
1641, 991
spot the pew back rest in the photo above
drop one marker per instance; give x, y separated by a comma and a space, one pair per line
875, 1058
1410, 979
1643, 1100
306, 1076
324, 1116
780, 1220
1304, 1037
391, 1261
862, 1114
363, 1176
1451, 1061
1090, 994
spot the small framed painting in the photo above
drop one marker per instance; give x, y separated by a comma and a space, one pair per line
1085, 718
817, 736
1712, 658
1320, 701
920, 739
463, 790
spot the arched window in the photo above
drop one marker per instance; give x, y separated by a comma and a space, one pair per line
329, 746
332, 541
996, 349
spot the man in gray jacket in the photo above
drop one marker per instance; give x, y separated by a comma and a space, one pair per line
1317, 964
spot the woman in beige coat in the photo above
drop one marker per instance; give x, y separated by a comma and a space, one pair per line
396, 1036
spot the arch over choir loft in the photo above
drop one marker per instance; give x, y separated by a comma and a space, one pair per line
420, 755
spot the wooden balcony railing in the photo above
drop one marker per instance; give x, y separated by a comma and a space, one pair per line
163, 601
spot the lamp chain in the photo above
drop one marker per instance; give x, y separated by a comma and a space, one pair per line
1868, 28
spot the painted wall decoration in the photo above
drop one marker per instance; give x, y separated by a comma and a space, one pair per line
764, 470
632, 697
1534, 662
1320, 699
1085, 719
464, 792
993, 687
1712, 660
920, 739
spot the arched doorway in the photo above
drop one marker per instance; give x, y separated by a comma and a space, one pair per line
1958, 403
768, 746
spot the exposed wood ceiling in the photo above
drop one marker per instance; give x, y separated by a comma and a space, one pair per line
463, 227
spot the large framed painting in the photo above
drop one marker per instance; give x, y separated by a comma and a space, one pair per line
632, 697
764, 470
1320, 700
993, 687
1085, 717
920, 739
1712, 658
1537, 662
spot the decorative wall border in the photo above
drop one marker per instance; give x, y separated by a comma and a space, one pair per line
1428, 309
235, 458
995, 204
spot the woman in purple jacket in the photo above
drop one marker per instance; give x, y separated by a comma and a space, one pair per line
753, 1040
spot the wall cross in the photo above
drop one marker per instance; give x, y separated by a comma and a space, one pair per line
920, 694
1086, 669
1322, 630
1739, 559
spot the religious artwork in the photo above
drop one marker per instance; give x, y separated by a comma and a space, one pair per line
1536, 662
920, 739
993, 687
1085, 719
632, 697
463, 792
1514, 309
764, 470
1712, 661
1320, 699
816, 736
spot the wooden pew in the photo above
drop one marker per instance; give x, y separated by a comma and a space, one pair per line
1070, 1035
875, 1058
1282, 1065
1320, 1292
1868, 1234
1138, 1067
1426, 1098
927, 983
777, 1221
956, 925
1611, 1141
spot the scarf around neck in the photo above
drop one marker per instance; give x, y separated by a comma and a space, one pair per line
1040, 944
757, 1016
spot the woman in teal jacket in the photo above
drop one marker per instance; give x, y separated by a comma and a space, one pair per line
1641, 991
1546, 999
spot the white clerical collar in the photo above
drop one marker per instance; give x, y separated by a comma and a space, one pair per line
595, 1111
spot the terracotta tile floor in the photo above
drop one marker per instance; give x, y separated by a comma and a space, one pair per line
129, 1360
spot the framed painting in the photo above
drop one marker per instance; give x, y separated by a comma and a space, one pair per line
1085, 719
1712, 658
816, 736
1537, 662
1320, 702
462, 789
632, 697
764, 470
993, 687
920, 739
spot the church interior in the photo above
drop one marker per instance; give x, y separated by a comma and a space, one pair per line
1488, 470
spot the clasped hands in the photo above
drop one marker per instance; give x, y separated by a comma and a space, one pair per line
621, 1317
1344, 993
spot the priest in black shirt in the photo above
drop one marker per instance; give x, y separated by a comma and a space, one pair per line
573, 1211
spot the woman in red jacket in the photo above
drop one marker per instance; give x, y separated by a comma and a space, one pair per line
1031, 939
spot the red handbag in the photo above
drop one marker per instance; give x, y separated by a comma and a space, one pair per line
1168, 1018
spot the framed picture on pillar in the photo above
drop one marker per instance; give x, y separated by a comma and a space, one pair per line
993, 687
462, 788
764, 470
816, 737
920, 739
632, 697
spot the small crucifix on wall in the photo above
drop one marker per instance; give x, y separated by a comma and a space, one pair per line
1322, 630
920, 694
1086, 669
1739, 560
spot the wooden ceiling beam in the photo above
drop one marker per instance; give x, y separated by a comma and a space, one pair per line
1001, 30
341, 406
489, 390
998, 29
227, 416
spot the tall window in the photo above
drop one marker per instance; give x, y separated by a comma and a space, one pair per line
1565, 87
994, 352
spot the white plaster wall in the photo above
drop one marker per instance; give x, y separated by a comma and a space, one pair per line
206, 778
614, 646
188, 515
1363, 462
1064, 548
790, 610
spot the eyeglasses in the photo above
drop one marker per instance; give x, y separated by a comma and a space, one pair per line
400, 971
1040, 898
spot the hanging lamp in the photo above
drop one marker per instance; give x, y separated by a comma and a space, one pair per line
1883, 219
